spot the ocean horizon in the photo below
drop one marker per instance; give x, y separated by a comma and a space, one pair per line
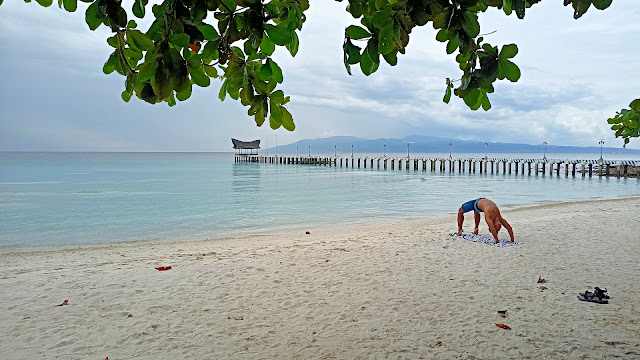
52, 200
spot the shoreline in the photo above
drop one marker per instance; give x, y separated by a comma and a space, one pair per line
389, 290
408, 221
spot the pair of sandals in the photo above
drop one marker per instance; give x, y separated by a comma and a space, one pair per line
597, 296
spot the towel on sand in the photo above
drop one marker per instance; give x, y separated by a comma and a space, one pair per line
485, 239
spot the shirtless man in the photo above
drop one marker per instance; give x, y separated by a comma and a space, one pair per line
491, 216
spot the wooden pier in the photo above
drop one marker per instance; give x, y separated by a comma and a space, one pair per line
557, 167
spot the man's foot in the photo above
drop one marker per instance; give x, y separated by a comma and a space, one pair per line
475, 231
497, 241
460, 232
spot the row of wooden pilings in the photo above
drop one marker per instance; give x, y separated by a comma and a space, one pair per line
469, 165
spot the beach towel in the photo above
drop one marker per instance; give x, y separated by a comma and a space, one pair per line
485, 239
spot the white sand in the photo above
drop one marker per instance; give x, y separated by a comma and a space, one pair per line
403, 289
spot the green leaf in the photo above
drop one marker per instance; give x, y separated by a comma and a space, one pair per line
472, 98
356, 32
287, 120
200, 78
277, 97
45, 3
447, 95
222, 94
265, 72
93, 17
602, 4
486, 104
126, 96
280, 35
70, 5
211, 71
519, 6
453, 44
294, 44
109, 65
366, 64
139, 40
139, 8
506, 6
470, 24
443, 35
508, 51
182, 96
180, 40
208, 31
391, 58
275, 120
276, 71
635, 105
161, 82
267, 46
509, 70
146, 70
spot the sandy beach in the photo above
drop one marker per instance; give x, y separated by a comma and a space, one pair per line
386, 290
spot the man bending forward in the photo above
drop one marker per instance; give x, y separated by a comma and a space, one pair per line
491, 216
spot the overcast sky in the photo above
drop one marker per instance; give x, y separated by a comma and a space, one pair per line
575, 75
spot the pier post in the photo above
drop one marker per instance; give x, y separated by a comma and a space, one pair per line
424, 165
392, 163
584, 168
406, 166
590, 169
566, 169
544, 168
358, 163
607, 170
558, 170
385, 164
504, 167
415, 165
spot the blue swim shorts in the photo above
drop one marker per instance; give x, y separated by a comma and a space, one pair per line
471, 205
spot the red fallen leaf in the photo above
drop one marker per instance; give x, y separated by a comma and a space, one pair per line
163, 268
542, 288
193, 47
130, 315
308, 233
503, 326
541, 280
66, 302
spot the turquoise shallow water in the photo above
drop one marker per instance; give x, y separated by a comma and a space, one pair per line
50, 200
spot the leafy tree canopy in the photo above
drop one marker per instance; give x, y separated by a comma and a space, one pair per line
185, 46
626, 123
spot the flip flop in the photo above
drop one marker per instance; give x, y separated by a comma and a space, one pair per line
593, 299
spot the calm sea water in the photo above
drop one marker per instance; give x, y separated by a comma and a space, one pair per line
51, 200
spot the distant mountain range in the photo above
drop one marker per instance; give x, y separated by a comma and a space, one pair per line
430, 144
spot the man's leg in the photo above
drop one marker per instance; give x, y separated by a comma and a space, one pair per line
476, 216
460, 221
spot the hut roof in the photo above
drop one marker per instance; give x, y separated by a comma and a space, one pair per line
237, 144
